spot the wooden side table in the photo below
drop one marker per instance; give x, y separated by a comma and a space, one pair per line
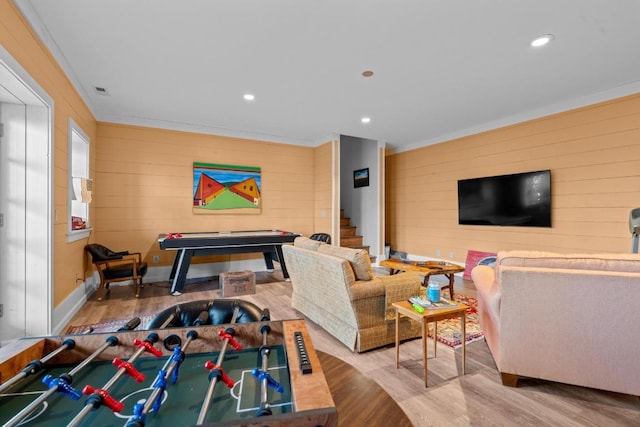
405, 308
428, 268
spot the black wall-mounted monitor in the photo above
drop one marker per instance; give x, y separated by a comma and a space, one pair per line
522, 199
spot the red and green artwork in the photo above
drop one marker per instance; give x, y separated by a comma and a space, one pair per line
225, 187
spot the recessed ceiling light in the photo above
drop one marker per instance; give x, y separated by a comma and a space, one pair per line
542, 40
249, 97
367, 73
365, 120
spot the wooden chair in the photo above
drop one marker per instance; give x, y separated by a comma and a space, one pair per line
117, 267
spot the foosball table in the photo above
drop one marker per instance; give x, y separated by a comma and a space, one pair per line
250, 374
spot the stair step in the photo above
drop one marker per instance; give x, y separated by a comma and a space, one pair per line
347, 231
348, 237
351, 242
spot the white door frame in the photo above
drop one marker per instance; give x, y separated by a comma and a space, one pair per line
38, 235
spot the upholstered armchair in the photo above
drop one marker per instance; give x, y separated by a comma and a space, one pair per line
117, 267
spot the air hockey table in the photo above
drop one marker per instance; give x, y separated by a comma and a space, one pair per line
188, 245
303, 397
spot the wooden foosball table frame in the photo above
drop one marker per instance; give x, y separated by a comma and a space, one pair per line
313, 403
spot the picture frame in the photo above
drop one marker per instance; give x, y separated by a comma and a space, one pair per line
361, 178
226, 189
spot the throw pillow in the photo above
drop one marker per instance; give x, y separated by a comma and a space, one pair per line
307, 243
358, 258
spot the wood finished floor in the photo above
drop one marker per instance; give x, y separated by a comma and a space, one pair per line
475, 399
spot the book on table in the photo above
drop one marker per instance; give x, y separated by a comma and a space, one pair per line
424, 302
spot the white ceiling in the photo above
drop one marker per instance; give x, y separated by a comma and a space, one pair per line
443, 68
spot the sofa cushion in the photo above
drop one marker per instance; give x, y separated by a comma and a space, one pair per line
601, 262
307, 243
358, 258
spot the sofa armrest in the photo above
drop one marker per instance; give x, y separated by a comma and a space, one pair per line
488, 290
484, 279
361, 289
401, 287
371, 299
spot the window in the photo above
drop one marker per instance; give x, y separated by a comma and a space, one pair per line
80, 185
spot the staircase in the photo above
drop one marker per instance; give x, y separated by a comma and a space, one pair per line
348, 236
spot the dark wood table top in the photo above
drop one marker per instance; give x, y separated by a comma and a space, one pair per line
425, 267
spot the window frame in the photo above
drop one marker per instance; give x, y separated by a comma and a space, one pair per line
76, 134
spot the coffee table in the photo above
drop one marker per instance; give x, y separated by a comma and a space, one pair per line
428, 268
405, 308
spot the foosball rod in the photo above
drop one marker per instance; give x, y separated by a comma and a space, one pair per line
212, 384
191, 335
264, 350
171, 363
109, 342
89, 406
36, 365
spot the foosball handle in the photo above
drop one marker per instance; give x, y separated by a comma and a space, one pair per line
202, 318
130, 325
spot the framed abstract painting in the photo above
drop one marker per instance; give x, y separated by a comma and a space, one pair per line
226, 188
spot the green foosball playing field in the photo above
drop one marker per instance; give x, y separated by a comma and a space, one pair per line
181, 402
124, 378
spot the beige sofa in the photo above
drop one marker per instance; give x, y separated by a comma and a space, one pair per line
336, 288
570, 318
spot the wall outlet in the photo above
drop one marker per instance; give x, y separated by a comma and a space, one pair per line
451, 255
438, 252
156, 259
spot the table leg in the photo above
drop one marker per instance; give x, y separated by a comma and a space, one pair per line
182, 267
425, 281
268, 260
464, 341
283, 266
452, 279
397, 338
435, 338
424, 348
176, 263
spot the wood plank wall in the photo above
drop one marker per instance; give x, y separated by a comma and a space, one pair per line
144, 180
24, 46
594, 156
323, 188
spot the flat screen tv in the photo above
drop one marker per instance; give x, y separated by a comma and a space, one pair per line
521, 199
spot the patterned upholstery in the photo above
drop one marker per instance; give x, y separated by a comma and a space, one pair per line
357, 312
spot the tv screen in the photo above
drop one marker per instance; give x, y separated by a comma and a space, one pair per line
522, 199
